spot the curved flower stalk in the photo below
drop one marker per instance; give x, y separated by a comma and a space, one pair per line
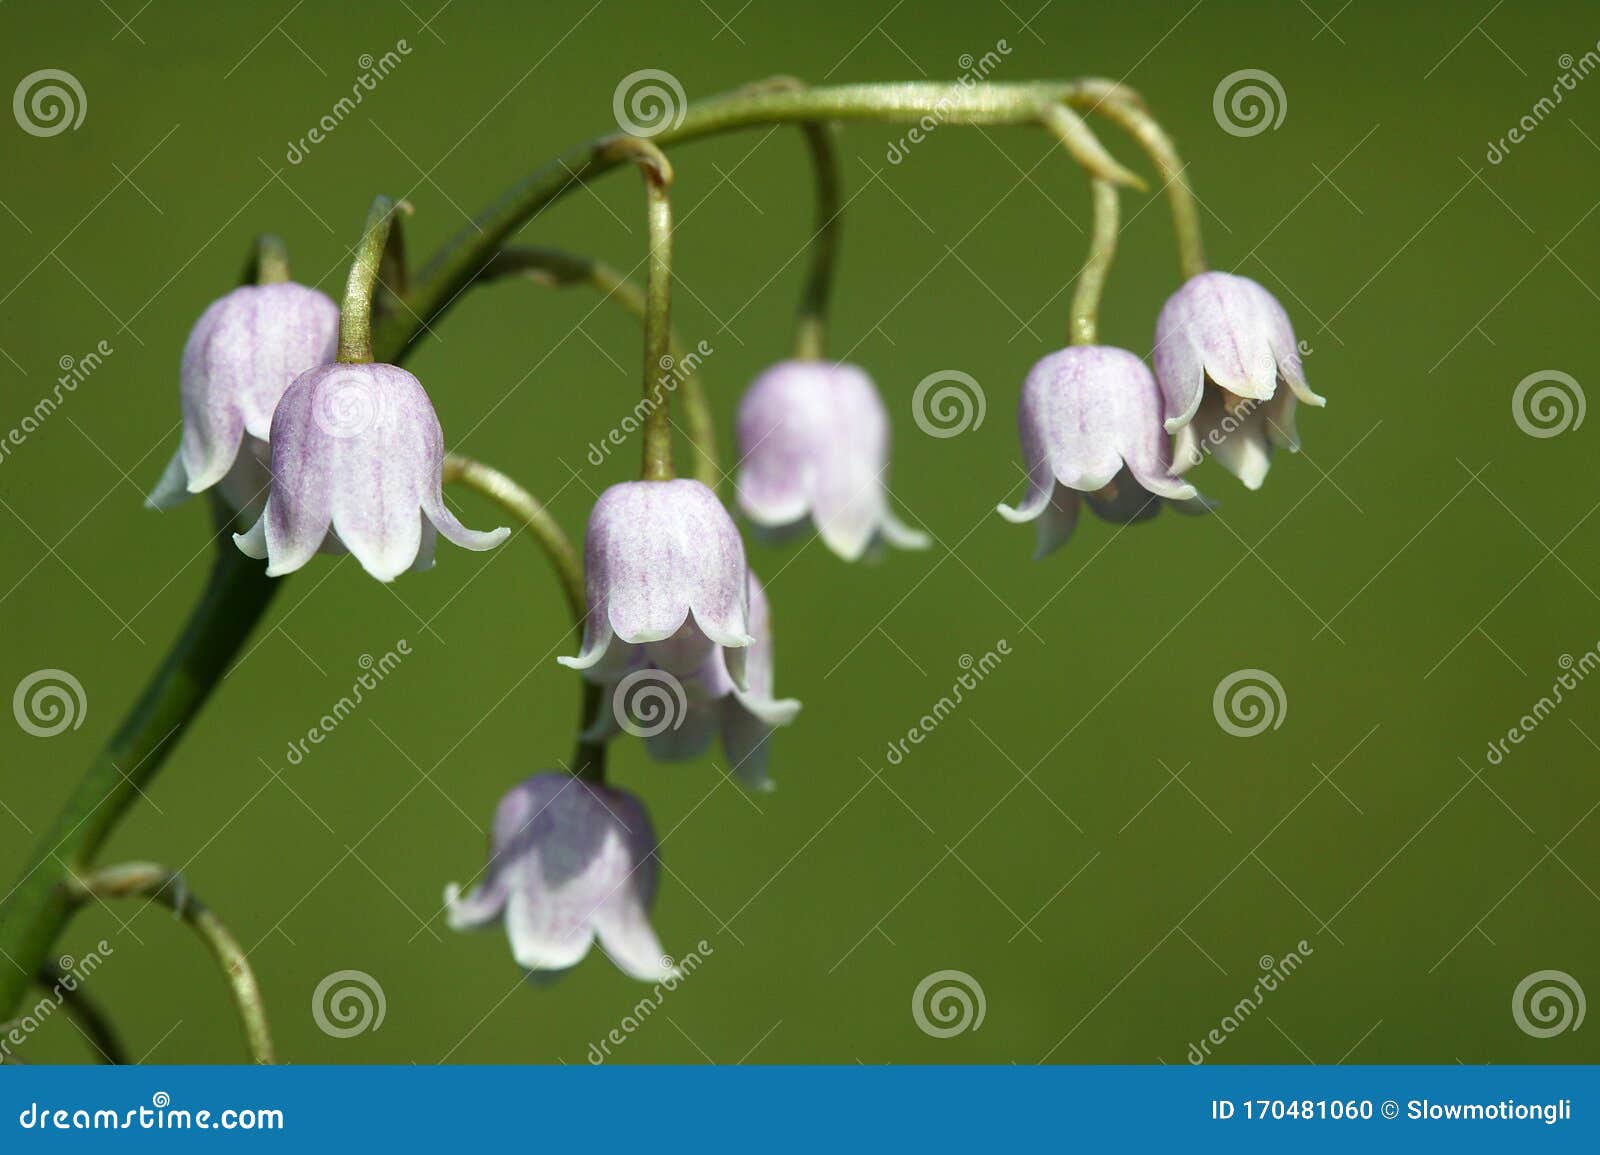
1229, 367
678, 720
1090, 419
358, 454
814, 441
570, 862
240, 357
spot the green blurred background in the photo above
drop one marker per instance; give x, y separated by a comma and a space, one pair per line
1412, 580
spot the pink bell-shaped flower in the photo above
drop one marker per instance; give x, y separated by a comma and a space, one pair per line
1229, 369
570, 862
357, 463
665, 571
1090, 424
241, 355
814, 444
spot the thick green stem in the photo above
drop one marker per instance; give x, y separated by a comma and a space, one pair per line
1092, 280
380, 252
159, 884
558, 268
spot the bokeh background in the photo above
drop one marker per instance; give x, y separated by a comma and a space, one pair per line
1081, 838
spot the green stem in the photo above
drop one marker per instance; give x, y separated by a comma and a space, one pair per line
657, 437
92, 1020
269, 262
159, 884
1132, 117
558, 268
1092, 280
381, 251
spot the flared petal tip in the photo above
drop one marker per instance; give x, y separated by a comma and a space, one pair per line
253, 541
1018, 516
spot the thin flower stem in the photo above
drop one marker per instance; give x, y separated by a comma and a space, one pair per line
1092, 280
560, 269
381, 251
657, 171
531, 514
166, 886
91, 1019
269, 262
811, 326
1137, 121
590, 760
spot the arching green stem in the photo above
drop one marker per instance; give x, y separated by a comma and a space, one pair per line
1092, 280
1133, 117
559, 268
159, 884
381, 251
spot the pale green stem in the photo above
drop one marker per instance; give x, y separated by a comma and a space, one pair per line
1092, 280
269, 262
1133, 117
165, 886
381, 251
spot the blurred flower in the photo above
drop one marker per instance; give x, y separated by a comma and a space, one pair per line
569, 862
240, 357
1223, 346
357, 458
665, 571
1090, 423
814, 443
678, 720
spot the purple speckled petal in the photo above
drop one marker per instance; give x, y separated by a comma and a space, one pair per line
357, 456
814, 441
664, 567
569, 861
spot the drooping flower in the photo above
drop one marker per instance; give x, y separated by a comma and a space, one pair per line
241, 355
1229, 365
1090, 424
357, 461
678, 719
569, 862
665, 571
814, 444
